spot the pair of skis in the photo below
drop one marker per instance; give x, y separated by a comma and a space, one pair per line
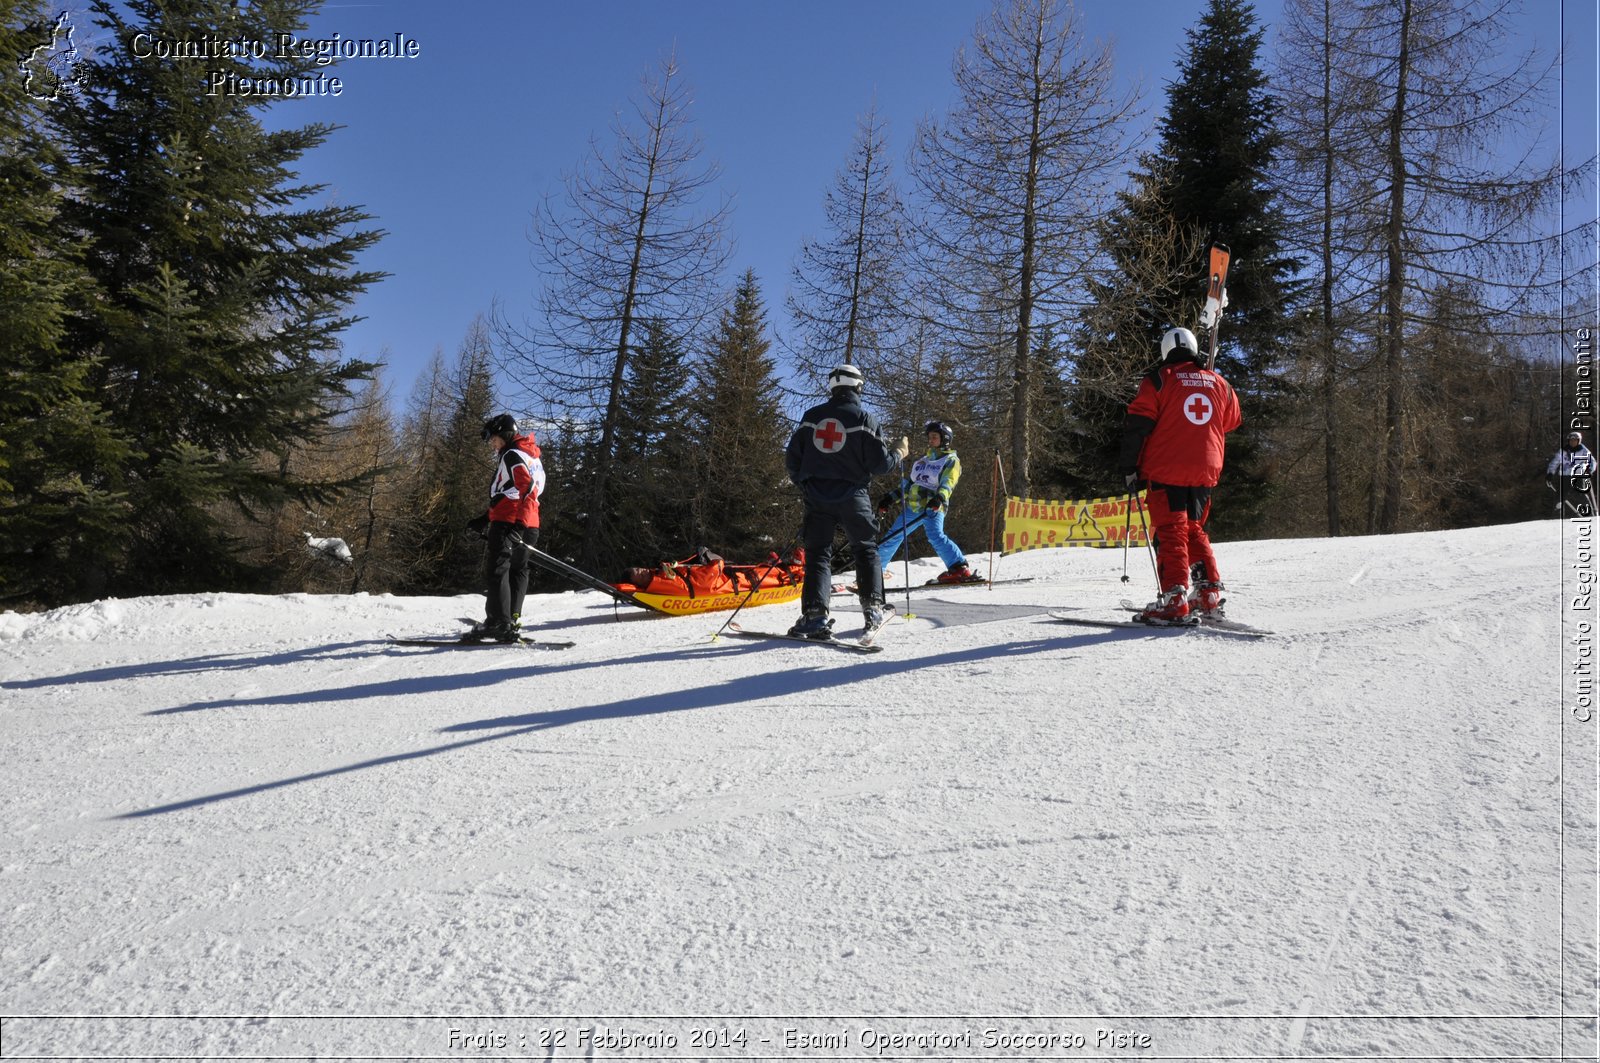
461, 644
465, 643
1216, 299
1211, 625
933, 585
866, 642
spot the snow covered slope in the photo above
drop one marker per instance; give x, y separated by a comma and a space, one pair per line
227, 806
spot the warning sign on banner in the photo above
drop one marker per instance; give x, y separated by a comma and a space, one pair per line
1037, 524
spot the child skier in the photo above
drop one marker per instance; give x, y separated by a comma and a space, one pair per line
925, 496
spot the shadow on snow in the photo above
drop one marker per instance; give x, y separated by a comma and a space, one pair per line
731, 692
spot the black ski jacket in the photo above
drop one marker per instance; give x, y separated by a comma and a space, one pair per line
837, 449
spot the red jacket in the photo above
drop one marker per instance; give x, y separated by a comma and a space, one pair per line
518, 483
1190, 410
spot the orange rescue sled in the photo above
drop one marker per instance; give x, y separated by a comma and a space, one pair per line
706, 583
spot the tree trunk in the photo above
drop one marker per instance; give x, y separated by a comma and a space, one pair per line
861, 254
1022, 365
1330, 363
604, 456
1394, 293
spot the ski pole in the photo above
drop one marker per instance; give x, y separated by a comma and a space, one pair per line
911, 527
994, 485
1127, 533
1005, 492
905, 538
755, 584
1149, 546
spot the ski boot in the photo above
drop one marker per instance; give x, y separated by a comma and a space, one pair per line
1169, 610
955, 574
1206, 599
490, 631
814, 626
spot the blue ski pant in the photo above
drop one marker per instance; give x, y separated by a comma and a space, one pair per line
929, 522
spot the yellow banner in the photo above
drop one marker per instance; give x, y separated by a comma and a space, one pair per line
1038, 524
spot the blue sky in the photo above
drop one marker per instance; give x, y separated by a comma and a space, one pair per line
451, 150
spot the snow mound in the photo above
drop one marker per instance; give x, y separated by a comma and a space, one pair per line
72, 623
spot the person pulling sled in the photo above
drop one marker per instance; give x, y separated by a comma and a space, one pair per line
509, 528
1173, 439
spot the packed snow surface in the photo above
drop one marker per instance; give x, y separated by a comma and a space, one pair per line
240, 825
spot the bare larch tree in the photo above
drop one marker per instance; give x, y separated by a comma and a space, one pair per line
631, 237
1011, 182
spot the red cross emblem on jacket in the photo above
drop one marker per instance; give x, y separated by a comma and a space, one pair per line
829, 436
1198, 409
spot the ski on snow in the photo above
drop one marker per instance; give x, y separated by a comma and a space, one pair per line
1210, 628
865, 644
933, 584
1214, 623
457, 644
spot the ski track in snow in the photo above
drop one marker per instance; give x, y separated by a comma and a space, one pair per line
233, 805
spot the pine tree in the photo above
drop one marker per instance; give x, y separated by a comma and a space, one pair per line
653, 485
221, 290
1221, 138
628, 241
743, 507
59, 455
1209, 179
449, 470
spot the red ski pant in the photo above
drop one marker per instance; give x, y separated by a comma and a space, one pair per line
1178, 523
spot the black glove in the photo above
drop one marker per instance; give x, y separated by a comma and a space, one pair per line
479, 526
936, 502
886, 501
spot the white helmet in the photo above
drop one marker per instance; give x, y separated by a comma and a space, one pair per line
1179, 337
845, 376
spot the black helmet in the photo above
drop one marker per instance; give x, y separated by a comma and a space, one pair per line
946, 434
501, 424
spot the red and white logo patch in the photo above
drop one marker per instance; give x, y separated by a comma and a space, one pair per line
1198, 408
829, 436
